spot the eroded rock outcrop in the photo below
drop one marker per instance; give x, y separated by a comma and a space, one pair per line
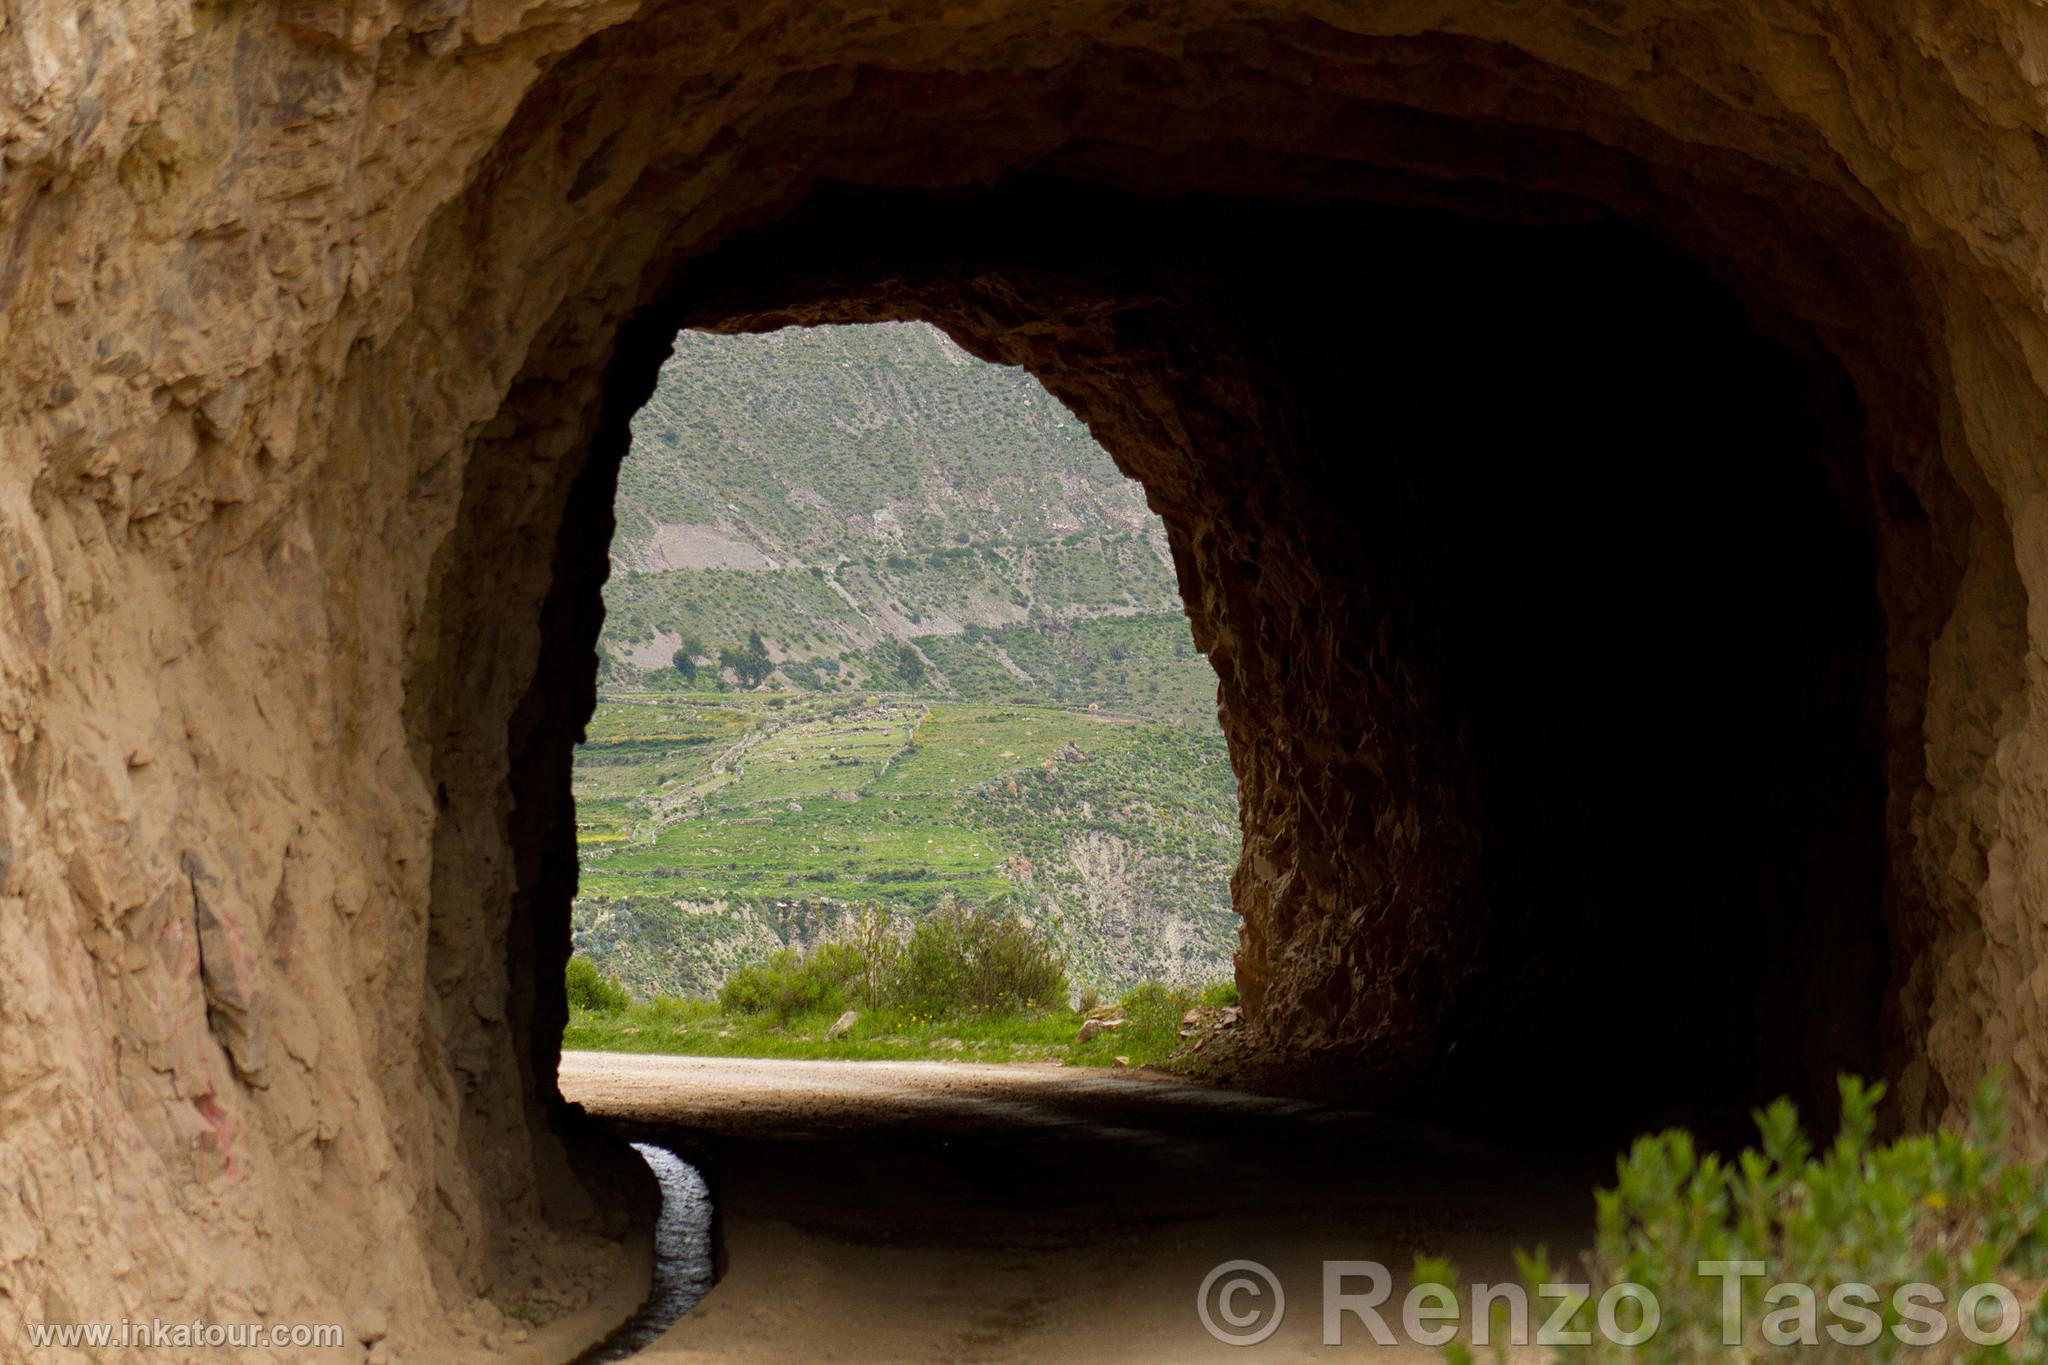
323, 325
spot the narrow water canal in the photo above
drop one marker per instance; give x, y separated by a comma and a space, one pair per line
682, 1257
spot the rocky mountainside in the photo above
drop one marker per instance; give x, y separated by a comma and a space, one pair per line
932, 646
879, 508
713, 831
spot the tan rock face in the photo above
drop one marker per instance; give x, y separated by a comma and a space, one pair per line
1711, 484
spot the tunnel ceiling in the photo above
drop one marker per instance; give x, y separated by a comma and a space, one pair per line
1436, 334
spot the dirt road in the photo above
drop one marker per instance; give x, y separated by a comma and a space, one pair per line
871, 1211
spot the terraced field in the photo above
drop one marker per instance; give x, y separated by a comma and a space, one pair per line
714, 830
886, 625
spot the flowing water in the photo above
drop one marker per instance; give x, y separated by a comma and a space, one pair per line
682, 1257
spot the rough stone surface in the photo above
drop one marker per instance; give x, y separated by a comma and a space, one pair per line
323, 324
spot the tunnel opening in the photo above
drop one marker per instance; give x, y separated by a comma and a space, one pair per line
307, 541
836, 551
1537, 565
1571, 645
893, 676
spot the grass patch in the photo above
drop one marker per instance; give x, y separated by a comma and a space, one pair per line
959, 986
877, 1035
698, 1028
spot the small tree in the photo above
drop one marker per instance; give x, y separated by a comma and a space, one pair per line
590, 989
747, 666
909, 665
872, 934
685, 665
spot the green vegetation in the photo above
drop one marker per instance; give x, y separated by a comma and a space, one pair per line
696, 1028
886, 628
749, 667
715, 831
954, 985
590, 989
839, 508
1945, 1210
909, 666
951, 963
787, 986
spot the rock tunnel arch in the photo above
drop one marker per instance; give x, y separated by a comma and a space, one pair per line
362, 333
1601, 554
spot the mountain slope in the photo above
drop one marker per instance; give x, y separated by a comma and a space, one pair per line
847, 492
814, 444
935, 648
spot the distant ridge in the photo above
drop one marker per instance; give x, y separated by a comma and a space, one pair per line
845, 492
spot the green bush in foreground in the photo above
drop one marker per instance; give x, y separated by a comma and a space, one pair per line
1945, 1210
590, 989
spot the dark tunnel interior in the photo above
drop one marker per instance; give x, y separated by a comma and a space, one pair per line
1628, 534
1590, 529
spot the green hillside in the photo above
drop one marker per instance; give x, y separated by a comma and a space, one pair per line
846, 491
714, 831
822, 443
934, 646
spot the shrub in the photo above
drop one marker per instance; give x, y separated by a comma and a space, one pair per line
1012, 966
958, 960
870, 937
672, 1010
926, 973
787, 986
953, 961
840, 965
590, 989
1945, 1209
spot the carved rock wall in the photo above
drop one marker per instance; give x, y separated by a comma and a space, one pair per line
323, 324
